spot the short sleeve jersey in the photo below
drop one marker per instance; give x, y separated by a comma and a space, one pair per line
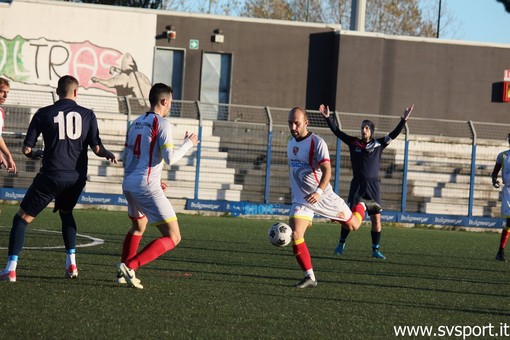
149, 143
305, 157
68, 130
2, 117
504, 159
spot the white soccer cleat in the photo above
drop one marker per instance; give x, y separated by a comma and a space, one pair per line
129, 275
6, 275
72, 272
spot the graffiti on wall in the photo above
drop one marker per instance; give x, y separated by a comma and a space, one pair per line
43, 62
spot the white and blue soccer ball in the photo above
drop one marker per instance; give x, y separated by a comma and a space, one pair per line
280, 234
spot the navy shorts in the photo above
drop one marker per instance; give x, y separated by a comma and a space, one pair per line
44, 189
364, 189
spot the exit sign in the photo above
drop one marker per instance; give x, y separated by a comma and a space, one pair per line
193, 44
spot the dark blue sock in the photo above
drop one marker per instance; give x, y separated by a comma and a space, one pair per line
376, 239
343, 235
68, 230
17, 236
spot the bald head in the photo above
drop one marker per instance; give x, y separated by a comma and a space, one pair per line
298, 122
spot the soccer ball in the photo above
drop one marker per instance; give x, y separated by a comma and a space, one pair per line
280, 234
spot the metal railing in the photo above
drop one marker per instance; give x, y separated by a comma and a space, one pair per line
434, 166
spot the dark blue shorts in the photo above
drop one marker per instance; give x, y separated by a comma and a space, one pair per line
364, 189
45, 189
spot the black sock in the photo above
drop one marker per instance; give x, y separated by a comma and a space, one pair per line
17, 235
68, 230
376, 239
343, 235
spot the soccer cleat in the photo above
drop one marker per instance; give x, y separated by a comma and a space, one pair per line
8, 275
372, 207
120, 279
129, 275
501, 256
376, 254
307, 282
339, 250
72, 272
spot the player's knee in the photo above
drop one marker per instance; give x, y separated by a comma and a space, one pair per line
351, 226
176, 238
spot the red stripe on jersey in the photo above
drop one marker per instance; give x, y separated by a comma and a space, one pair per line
310, 158
3, 118
325, 160
154, 134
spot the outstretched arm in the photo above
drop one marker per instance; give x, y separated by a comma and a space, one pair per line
405, 116
190, 140
332, 126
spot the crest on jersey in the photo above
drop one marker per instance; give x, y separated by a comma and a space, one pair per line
341, 216
295, 150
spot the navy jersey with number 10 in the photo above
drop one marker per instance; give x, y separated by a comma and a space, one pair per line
68, 131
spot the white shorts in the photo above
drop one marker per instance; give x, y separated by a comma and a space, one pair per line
330, 205
153, 204
505, 202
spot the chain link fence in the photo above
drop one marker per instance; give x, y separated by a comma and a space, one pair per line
434, 166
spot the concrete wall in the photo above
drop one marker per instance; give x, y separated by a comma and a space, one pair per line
275, 63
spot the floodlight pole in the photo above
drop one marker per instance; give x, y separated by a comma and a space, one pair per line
438, 20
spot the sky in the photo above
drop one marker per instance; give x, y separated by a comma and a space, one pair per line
479, 20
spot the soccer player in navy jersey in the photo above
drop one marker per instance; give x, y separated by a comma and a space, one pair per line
68, 131
149, 144
503, 163
366, 155
310, 174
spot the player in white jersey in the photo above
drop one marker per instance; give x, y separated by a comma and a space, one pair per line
149, 143
503, 163
5, 155
310, 174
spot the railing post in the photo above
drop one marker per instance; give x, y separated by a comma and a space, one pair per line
268, 158
473, 170
128, 108
406, 167
199, 152
336, 186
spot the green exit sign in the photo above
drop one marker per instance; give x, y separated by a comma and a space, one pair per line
193, 44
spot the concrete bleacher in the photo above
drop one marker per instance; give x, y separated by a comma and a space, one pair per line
233, 166
216, 180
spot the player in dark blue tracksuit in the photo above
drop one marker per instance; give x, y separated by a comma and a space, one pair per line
68, 131
366, 155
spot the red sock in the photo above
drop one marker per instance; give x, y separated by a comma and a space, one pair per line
300, 250
359, 212
504, 238
151, 252
130, 246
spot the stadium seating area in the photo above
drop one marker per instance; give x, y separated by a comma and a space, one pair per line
233, 166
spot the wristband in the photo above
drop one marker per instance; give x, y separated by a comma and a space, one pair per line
319, 191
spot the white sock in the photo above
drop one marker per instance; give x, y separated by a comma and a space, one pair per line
70, 259
310, 273
11, 266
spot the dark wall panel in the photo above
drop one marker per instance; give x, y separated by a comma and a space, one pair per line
448, 81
